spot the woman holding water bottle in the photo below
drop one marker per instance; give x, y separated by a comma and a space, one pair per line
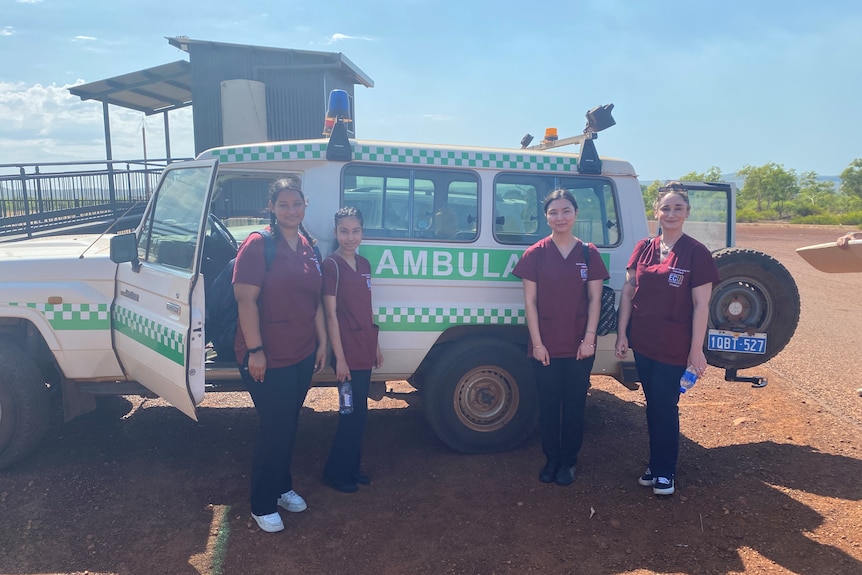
353, 336
663, 315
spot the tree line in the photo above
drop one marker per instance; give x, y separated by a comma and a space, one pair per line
771, 192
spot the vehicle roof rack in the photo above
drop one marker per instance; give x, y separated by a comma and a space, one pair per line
598, 119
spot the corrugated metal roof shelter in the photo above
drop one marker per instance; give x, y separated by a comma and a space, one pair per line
240, 93
281, 92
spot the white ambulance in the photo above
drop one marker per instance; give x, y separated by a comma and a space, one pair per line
444, 227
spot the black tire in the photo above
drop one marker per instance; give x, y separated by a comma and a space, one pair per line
757, 294
24, 405
480, 396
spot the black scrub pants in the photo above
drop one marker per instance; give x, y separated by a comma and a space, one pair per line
277, 399
660, 382
342, 466
562, 388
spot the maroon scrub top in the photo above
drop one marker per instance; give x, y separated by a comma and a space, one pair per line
353, 308
289, 296
561, 293
662, 307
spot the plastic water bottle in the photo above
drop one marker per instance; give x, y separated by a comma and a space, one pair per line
345, 398
688, 379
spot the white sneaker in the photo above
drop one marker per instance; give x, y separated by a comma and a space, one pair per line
292, 501
270, 523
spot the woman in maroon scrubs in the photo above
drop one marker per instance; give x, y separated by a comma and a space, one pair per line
280, 342
353, 336
666, 296
562, 294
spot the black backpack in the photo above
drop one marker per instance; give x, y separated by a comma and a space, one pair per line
222, 312
607, 311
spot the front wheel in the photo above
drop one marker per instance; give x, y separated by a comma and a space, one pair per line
755, 293
24, 404
480, 396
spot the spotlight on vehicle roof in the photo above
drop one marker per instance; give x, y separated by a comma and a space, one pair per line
599, 118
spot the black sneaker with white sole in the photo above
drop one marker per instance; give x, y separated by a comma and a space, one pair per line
647, 479
663, 486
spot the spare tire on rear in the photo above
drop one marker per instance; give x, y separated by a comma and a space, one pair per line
755, 294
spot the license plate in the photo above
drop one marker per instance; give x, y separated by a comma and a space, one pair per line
720, 340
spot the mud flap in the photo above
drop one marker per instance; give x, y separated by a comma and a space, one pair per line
75, 401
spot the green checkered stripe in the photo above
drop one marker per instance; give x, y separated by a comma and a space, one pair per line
71, 316
440, 318
159, 338
401, 155
267, 153
465, 158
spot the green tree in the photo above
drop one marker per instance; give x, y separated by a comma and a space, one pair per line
713, 174
650, 193
769, 183
851, 179
814, 192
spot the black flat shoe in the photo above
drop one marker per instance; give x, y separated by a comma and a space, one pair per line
361, 479
548, 473
339, 486
565, 475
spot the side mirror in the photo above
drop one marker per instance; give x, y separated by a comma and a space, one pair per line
124, 248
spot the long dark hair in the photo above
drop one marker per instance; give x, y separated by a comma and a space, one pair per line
291, 184
346, 212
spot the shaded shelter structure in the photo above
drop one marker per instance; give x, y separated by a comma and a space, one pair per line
153, 90
239, 93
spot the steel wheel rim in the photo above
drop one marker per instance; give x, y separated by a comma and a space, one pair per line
755, 295
486, 398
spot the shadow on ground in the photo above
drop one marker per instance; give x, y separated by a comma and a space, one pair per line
140, 494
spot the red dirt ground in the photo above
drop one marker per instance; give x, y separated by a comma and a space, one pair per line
769, 479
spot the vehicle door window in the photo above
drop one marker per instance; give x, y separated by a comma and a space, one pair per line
169, 235
598, 220
519, 216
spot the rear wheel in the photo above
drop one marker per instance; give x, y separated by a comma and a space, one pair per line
755, 294
480, 396
24, 404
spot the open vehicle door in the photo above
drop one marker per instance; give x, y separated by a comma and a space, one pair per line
713, 214
157, 317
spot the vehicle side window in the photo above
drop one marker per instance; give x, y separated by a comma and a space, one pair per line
519, 208
170, 234
598, 218
420, 204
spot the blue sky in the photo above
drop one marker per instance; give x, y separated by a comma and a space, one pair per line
695, 84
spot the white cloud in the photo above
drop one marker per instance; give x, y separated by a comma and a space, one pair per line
7, 31
437, 117
337, 37
84, 39
48, 124
28, 1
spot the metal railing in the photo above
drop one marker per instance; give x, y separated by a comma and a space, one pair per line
40, 199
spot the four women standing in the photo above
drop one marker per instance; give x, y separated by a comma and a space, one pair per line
281, 341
